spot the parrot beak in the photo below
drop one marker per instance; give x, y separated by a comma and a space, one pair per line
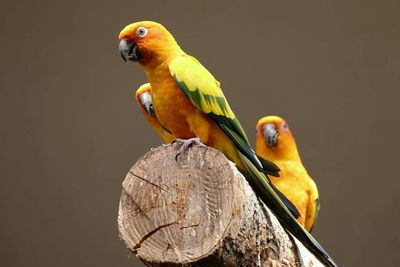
270, 135
147, 103
129, 50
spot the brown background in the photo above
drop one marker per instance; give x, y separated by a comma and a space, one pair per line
70, 130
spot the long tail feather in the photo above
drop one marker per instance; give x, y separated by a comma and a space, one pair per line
258, 182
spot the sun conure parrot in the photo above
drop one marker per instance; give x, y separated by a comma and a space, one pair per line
143, 97
275, 142
189, 103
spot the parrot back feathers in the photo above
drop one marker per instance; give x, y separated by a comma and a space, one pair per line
198, 84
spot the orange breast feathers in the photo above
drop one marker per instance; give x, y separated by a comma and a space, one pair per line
178, 114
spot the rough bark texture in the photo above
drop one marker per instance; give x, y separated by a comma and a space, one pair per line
199, 210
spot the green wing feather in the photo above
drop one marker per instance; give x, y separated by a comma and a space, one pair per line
198, 84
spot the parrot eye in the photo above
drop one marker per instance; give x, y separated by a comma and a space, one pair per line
141, 32
284, 126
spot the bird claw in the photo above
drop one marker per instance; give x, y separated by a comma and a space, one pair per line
185, 144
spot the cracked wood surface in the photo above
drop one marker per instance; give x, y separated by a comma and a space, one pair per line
199, 210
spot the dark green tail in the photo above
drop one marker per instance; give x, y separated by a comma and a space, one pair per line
258, 182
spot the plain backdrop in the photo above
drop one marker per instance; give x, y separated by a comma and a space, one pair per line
70, 129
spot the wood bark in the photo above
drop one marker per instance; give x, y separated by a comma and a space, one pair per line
198, 210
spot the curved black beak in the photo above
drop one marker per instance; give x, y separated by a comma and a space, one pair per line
270, 135
129, 50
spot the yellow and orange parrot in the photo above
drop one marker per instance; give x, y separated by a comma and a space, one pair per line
143, 97
276, 143
189, 103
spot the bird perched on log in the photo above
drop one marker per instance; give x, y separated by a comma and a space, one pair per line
275, 142
189, 103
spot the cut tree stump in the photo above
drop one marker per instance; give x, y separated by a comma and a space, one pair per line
199, 210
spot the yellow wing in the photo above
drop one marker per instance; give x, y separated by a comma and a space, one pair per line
200, 86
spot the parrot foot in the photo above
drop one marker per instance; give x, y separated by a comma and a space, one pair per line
185, 144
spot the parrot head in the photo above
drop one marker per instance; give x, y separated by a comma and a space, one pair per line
148, 43
274, 138
271, 129
144, 99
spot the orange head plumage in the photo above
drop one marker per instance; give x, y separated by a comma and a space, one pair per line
148, 43
275, 140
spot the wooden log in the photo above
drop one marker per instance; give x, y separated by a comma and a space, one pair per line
199, 210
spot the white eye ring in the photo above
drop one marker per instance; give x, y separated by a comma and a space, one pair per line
141, 32
284, 126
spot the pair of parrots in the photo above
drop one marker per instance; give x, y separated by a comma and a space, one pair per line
184, 101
